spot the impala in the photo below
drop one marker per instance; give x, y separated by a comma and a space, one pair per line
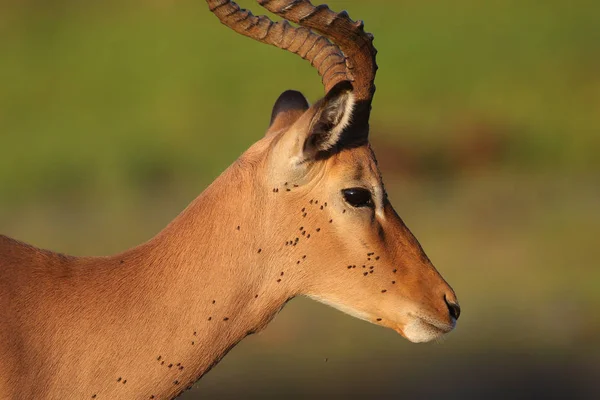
302, 212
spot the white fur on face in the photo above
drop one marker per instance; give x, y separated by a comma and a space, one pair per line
419, 330
343, 308
416, 330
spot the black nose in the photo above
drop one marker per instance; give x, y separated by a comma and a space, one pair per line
454, 309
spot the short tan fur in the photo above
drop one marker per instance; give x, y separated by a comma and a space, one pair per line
302, 212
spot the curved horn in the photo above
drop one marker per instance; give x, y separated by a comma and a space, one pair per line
322, 54
349, 36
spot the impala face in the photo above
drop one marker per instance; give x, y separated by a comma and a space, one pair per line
326, 207
302, 212
351, 250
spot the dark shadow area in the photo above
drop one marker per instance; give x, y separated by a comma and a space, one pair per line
482, 376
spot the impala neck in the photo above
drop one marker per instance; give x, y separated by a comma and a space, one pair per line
209, 282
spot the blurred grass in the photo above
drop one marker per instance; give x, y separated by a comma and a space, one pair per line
114, 115
134, 93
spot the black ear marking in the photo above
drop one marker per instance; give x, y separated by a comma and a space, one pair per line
290, 102
288, 108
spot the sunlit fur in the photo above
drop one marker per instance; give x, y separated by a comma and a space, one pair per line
148, 322
267, 230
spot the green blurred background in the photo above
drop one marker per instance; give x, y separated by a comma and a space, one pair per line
114, 115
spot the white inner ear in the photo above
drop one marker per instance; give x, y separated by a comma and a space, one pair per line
342, 108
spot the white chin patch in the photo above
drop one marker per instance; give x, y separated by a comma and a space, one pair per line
418, 331
339, 306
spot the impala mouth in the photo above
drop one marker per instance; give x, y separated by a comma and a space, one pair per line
422, 329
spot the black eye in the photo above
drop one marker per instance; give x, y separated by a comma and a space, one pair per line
358, 197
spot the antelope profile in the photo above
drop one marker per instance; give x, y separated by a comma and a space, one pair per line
302, 212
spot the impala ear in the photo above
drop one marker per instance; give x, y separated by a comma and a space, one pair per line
312, 133
332, 115
287, 109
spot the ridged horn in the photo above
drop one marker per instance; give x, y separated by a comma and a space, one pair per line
341, 51
349, 36
318, 50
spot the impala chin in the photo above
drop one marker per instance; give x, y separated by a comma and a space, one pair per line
421, 330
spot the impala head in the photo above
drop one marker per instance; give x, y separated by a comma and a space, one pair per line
332, 225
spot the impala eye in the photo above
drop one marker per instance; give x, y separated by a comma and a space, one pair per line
358, 197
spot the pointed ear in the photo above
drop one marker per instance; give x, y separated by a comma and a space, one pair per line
287, 109
314, 132
332, 115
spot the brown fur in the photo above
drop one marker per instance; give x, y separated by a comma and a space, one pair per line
149, 322
152, 320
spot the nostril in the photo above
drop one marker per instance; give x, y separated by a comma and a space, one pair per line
454, 309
